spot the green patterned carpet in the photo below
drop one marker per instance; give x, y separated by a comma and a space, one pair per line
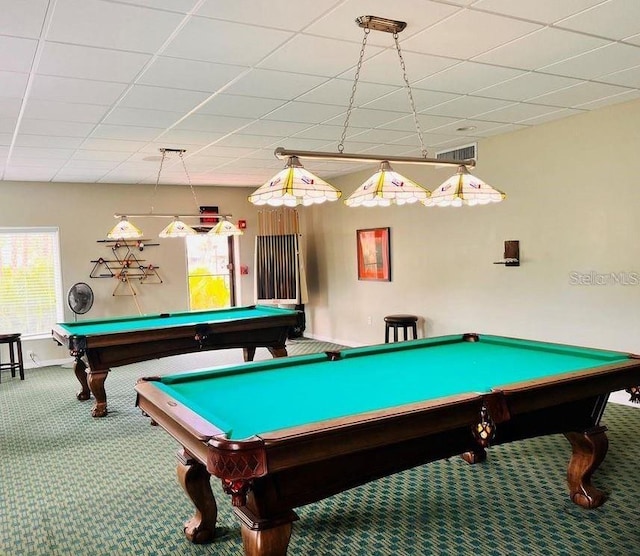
70, 484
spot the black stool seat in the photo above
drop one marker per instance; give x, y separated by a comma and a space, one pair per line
405, 322
15, 351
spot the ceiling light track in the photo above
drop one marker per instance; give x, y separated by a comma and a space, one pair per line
284, 154
176, 228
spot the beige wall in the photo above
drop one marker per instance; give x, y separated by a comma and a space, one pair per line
84, 214
573, 201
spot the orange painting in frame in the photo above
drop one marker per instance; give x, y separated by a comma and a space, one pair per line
374, 254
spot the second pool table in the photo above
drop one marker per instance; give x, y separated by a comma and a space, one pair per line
285, 433
111, 342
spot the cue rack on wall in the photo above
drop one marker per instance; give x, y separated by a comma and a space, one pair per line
125, 266
279, 276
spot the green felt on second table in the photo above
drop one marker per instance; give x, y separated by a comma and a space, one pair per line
149, 322
272, 395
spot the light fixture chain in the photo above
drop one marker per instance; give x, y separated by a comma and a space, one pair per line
155, 189
410, 94
193, 192
353, 91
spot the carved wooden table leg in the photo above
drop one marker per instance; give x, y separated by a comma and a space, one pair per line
588, 450
278, 351
266, 542
194, 479
248, 353
96, 383
80, 369
477, 455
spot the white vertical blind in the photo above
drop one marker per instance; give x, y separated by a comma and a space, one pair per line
30, 281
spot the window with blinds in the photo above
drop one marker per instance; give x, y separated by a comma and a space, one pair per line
30, 281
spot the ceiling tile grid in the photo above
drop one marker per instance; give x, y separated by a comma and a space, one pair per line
91, 89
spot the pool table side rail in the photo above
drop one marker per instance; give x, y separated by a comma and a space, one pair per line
187, 427
417, 419
195, 317
571, 386
516, 343
171, 332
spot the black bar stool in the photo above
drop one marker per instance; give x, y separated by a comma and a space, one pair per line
405, 322
15, 351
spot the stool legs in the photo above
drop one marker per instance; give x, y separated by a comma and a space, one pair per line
20, 361
405, 331
15, 350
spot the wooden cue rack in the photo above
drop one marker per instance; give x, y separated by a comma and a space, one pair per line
279, 276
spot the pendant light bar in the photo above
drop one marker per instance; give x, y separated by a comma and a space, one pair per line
283, 154
172, 215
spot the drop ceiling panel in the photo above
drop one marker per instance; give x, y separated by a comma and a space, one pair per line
195, 75
627, 78
274, 84
338, 92
225, 42
305, 112
10, 107
63, 89
211, 122
451, 36
48, 141
140, 117
398, 101
519, 112
467, 77
279, 14
551, 116
64, 111
49, 127
160, 98
545, 11
126, 132
528, 85
98, 144
22, 19
467, 106
340, 22
112, 81
540, 48
607, 101
579, 94
614, 19
337, 56
13, 85
240, 106
67, 60
385, 67
22, 54
611, 58
111, 25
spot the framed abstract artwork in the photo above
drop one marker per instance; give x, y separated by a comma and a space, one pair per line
374, 254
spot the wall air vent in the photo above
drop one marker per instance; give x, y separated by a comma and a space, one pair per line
460, 153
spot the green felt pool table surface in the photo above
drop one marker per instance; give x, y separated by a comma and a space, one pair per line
137, 323
112, 342
302, 390
284, 433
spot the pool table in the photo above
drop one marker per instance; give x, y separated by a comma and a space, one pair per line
111, 342
284, 433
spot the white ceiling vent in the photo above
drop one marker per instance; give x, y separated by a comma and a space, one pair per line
464, 152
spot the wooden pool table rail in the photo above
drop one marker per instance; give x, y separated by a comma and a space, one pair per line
269, 475
105, 351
